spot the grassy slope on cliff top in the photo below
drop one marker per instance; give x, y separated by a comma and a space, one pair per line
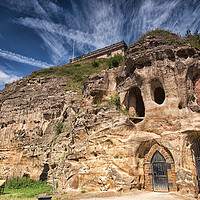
75, 74
172, 38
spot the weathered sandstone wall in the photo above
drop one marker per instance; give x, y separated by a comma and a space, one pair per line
100, 147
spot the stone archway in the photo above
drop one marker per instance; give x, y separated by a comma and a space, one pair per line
169, 164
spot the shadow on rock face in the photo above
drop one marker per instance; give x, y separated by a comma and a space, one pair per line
44, 174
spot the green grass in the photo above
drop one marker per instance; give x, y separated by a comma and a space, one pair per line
25, 189
75, 74
167, 37
170, 38
59, 127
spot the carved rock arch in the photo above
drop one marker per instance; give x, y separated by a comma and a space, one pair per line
148, 176
192, 87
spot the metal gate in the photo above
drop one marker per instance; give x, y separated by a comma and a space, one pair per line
159, 167
196, 152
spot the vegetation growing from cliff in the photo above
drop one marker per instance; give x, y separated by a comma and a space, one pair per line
21, 188
59, 127
172, 38
75, 74
193, 39
115, 100
115, 61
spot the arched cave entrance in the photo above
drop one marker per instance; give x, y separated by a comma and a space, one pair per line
135, 104
157, 91
195, 148
193, 88
159, 170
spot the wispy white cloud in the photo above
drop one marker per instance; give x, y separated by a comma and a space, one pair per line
51, 27
7, 78
27, 7
55, 37
102, 29
22, 59
94, 24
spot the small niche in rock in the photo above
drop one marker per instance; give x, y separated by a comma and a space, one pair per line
97, 99
135, 105
26, 174
159, 95
157, 92
180, 105
197, 89
182, 53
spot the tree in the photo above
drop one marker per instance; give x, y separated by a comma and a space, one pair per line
188, 33
196, 34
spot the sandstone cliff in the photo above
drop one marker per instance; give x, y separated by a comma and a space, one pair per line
99, 146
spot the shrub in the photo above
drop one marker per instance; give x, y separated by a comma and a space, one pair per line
193, 39
56, 185
95, 64
115, 61
115, 101
59, 127
188, 33
75, 118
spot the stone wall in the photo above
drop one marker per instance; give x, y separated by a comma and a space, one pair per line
106, 52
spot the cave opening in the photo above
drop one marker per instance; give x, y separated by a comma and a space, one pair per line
44, 174
159, 95
135, 103
157, 92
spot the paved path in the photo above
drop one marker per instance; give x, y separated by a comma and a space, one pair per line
143, 195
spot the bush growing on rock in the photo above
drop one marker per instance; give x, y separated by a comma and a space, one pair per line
95, 64
59, 127
114, 61
115, 100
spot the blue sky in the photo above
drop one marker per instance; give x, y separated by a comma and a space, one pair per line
37, 34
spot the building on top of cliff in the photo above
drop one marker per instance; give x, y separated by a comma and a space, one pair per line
106, 52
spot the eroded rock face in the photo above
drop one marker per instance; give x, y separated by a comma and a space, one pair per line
159, 87
100, 147
30, 110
